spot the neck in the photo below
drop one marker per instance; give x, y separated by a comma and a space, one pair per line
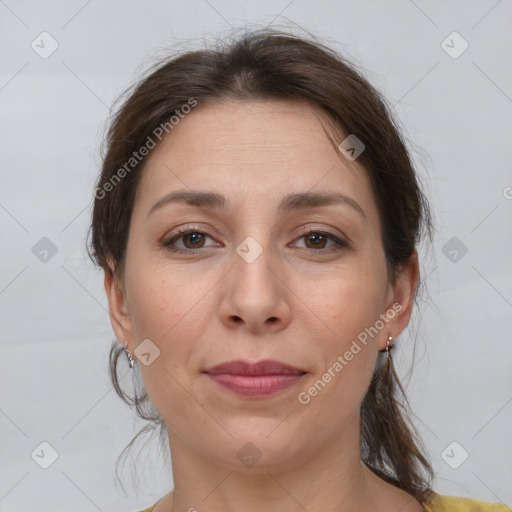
330, 477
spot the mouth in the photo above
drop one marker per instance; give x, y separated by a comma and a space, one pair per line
256, 380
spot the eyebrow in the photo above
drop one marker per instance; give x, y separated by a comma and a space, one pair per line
291, 202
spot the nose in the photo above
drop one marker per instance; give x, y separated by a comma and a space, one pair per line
255, 296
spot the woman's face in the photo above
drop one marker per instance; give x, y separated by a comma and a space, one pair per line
250, 284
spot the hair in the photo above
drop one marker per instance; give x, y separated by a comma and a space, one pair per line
267, 64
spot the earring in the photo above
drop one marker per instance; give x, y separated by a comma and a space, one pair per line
129, 355
389, 346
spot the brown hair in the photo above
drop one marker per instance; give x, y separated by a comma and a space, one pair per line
270, 64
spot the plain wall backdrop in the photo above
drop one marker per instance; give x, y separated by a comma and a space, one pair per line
445, 66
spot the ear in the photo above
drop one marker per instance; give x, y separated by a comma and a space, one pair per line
118, 310
402, 293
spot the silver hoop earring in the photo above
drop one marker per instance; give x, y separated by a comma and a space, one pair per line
131, 361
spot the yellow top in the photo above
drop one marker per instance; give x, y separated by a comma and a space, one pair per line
442, 503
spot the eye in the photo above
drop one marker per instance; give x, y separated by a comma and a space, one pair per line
316, 240
191, 238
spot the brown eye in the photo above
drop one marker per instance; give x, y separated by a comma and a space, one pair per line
191, 241
317, 240
196, 240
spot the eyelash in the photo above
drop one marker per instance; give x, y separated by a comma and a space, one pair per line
340, 244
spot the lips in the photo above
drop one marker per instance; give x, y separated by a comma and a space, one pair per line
255, 380
265, 367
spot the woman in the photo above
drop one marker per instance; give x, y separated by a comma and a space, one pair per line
257, 218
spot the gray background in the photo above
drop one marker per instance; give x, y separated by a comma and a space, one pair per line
55, 331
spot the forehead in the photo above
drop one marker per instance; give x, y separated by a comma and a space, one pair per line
255, 150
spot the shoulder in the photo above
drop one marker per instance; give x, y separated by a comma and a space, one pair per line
442, 503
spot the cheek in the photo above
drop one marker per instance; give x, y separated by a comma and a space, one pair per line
347, 343
162, 310
347, 301
347, 353
165, 311
161, 300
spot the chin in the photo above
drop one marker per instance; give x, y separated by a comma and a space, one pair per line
259, 445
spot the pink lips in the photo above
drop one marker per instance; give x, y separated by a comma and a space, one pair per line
260, 379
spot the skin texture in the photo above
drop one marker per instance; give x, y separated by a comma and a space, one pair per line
300, 302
